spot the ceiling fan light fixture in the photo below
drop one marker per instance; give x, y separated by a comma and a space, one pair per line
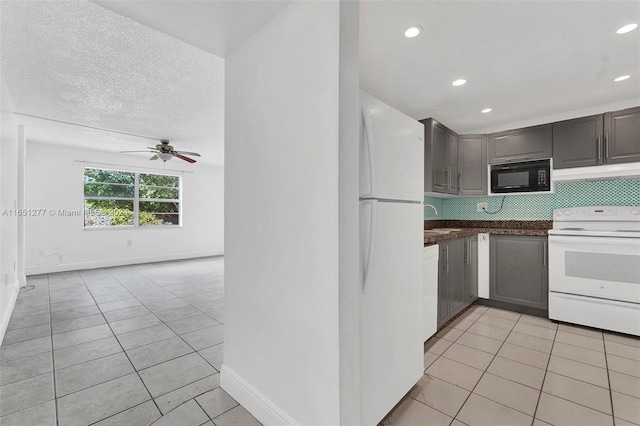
164, 157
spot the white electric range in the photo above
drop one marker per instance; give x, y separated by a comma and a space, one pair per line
594, 267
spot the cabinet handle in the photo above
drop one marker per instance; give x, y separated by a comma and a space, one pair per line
446, 259
446, 178
449, 178
599, 147
544, 254
518, 159
606, 146
466, 252
458, 182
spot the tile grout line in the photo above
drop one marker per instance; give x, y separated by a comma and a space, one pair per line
483, 373
125, 352
166, 324
487, 368
606, 364
176, 334
53, 359
544, 378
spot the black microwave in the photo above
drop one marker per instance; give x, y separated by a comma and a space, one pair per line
525, 177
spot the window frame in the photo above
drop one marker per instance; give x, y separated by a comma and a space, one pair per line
135, 199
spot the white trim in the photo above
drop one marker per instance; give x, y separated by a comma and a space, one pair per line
605, 172
252, 399
46, 269
6, 316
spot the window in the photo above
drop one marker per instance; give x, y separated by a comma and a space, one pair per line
116, 198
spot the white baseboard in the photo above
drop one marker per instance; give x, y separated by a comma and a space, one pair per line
106, 263
6, 315
252, 399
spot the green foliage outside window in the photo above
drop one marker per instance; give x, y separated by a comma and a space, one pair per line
110, 196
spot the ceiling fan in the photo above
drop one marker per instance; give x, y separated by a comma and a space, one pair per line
165, 152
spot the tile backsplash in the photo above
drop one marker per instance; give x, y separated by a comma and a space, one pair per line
622, 192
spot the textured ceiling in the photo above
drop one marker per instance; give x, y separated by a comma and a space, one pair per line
75, 61
531, 61
217, 26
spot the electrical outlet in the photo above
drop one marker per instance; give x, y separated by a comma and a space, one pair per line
482, 207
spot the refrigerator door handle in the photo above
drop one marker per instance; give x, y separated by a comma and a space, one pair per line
372, 243
370, 148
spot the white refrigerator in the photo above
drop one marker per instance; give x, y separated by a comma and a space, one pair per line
391, 245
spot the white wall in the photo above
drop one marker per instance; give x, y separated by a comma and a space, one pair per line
54, 180
282, 338
9, 276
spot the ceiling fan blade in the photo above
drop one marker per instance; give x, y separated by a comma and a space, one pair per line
154, 148
155, 157
123, 152
182, 157
188, 153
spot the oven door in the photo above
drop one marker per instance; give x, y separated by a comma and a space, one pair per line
602, 267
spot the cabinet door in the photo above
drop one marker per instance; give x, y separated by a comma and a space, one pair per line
578, 143
456, 260
453, 178
529, 143
518, 271
472, 164
439, 163
471, 270
443, 284
622, 136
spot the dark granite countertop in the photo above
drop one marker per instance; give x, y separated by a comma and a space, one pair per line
462, 228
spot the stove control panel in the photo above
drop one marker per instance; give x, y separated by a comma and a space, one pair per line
598, 213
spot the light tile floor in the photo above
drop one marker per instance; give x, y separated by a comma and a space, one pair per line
133, 345
495, 367
141, 344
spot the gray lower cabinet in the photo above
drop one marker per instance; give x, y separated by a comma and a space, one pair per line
529, 143
518, 271
578, 142
472, 164
454, 277
622, 136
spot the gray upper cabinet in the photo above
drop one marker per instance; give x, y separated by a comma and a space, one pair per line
518, 270
578, 142
622, 136
440, 158
529, 143
472, 164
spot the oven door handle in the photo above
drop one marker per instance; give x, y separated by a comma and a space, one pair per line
584, 241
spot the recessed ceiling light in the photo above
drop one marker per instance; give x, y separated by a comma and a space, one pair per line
622, 78
459, 82
486, 110
627, 28
413, 31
